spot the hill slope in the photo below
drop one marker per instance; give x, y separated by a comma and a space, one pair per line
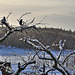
46, 36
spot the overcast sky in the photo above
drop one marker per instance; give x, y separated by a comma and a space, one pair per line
60, 13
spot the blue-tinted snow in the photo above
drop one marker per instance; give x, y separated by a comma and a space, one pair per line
8, 51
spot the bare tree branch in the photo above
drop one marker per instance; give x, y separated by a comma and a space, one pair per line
68, 56
23, 15
14, 30
63, 70
35, 54
52, 69
8, 15
44, 58
30, 22
20, 68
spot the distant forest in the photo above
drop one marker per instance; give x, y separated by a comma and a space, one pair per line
46, 35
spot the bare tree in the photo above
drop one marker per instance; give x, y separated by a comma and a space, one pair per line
23, 26
9, 32
5, 67
57, 64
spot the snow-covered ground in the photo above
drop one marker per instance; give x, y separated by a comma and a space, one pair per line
7, 54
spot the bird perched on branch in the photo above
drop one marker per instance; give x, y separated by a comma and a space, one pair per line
3, 21
21, 22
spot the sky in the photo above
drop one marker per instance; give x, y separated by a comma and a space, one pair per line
60, 13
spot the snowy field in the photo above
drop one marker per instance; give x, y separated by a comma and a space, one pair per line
7, 54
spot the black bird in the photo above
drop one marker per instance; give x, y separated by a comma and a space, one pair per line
3, 21
21, 22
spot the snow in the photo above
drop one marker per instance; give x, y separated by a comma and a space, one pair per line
6, 53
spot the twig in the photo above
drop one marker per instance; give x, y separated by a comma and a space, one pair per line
20, 68
9, 15
23, 15
44, 58
68, 56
